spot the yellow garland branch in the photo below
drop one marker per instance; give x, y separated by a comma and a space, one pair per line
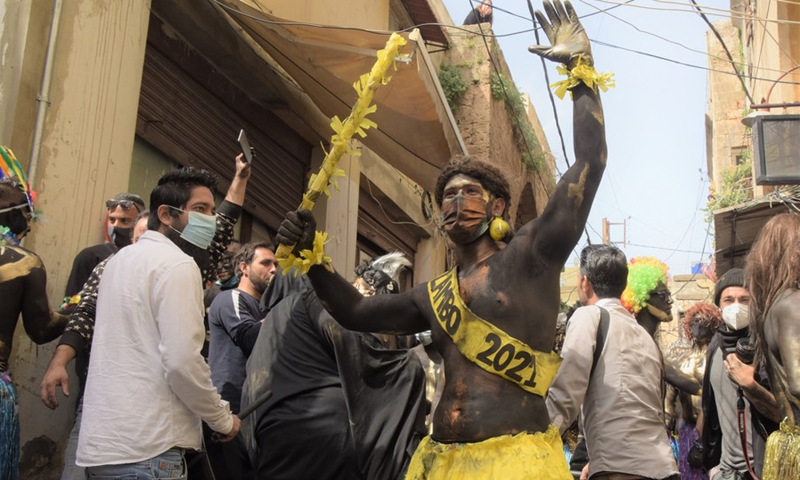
582, 72
356, 122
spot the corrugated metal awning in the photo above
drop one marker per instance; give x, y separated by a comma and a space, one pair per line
422, 15
416, 131
736, 228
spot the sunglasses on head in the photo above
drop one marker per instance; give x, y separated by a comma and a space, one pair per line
126, 205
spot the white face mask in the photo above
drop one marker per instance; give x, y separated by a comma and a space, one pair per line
736, 316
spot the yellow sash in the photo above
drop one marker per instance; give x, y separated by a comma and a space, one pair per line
486, 345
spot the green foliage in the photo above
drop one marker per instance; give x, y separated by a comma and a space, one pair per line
452, 83
524, 136
736, 187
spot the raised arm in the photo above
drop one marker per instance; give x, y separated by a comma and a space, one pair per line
227, 215
782, 332
41, 324
395, 314
559, 227
238, 186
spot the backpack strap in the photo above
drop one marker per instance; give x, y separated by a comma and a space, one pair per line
602, 332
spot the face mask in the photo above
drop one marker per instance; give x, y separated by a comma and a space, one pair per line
465, 218
121, 237
736, 316
200, 230
232, 282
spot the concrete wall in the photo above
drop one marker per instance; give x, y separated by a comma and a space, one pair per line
726, 104
15, 18
86, 158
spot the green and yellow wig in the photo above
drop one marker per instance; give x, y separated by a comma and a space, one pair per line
644, 275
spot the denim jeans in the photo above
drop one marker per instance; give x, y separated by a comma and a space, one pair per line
169, 465
72, 471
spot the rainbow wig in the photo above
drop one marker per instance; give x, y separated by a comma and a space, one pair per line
12, 170
644, 275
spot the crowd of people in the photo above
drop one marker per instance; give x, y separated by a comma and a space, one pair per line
186, 341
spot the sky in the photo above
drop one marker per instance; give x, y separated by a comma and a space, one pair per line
656, 179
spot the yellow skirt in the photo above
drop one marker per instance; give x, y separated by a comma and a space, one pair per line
509, 457
782, 458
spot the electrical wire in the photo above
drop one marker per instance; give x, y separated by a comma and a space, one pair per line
724, 47
691, 222
482, 34
723, 13
550, 92
514, 116
646, 32
678, 62
664, 248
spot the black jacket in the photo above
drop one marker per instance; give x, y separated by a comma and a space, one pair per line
712, 433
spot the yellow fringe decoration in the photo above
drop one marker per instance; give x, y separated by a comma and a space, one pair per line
307, 257
582, 72
782, 458
355, 123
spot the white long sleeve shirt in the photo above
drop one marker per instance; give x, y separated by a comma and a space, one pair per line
148, 386
621, 403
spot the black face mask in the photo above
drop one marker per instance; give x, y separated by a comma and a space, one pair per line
200, 255
121, 236
16, 221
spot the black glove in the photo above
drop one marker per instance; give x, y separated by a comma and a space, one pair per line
695, 457
298, 229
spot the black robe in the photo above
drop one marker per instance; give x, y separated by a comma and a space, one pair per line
343, 406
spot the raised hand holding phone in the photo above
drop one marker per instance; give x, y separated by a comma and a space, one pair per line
249, 152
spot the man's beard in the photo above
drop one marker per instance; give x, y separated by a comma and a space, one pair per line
259, 284
200, 256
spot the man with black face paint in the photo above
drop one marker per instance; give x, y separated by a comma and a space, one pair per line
76, 341
725, 374
23, 291
147, 338
493, 316
122, 211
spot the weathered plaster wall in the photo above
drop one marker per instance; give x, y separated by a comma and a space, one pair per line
726, 104
86, 158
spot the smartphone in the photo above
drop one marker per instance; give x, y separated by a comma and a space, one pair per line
248, 152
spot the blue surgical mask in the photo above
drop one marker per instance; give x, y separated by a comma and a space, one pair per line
200, 229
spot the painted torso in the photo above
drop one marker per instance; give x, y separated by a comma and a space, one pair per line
475, 404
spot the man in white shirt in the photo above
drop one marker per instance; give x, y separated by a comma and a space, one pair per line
148, 386
619, 395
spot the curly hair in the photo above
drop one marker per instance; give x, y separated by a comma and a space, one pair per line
705, 313
490, 177
644, 275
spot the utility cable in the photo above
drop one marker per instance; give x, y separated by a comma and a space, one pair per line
646, 32
508, 99
678, 62
727, 52
723, 13
549, 91
482, 34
